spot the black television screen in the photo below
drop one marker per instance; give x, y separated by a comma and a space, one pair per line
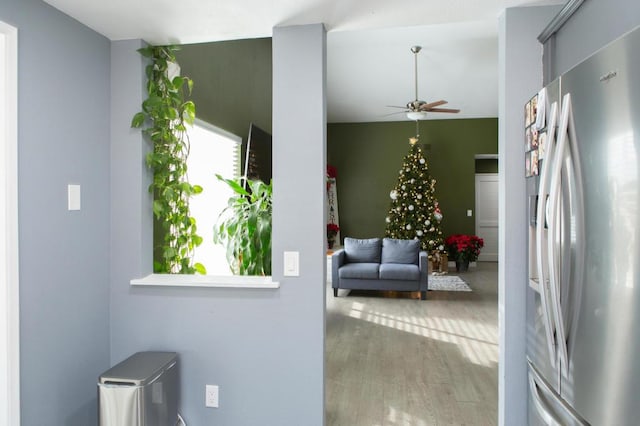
257, 156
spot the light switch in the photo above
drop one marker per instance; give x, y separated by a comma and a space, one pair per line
292, 263
469, 212
73, 197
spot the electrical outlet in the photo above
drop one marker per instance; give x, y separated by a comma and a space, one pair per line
211, 396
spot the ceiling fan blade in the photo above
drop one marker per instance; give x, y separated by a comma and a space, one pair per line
443, 110
396, 106
394, 113
430, 105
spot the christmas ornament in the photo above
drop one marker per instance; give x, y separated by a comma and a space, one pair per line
436, 212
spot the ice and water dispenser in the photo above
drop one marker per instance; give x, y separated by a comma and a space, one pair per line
142, 390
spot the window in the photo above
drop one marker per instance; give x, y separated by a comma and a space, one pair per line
213, 151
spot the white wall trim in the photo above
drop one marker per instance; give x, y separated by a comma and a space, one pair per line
9, 266
486, 156
200, 281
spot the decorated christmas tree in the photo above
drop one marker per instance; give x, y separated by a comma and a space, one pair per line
414, 212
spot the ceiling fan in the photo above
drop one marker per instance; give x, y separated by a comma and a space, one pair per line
418, 109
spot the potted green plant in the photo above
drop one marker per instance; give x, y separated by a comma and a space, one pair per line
244, 227
463, 249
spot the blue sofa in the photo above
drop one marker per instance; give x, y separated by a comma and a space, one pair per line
380, 264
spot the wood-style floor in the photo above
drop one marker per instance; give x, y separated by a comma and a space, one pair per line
399, 361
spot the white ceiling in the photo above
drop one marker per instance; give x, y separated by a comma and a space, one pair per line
368, 70
369, 62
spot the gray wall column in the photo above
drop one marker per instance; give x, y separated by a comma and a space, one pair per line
131, 221
520, 77
299, 182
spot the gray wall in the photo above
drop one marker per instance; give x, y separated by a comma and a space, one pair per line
63, 137
595, 24
264, 348
520, 76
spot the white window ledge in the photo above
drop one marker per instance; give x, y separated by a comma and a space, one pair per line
231, 281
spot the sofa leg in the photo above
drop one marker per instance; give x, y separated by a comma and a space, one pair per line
335, 292
423, 295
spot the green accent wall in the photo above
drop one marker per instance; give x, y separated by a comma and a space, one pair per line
232, 82
368, 157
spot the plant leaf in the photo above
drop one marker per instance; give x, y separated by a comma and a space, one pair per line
137, 120
200, 269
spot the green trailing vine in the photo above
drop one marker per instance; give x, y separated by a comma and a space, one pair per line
164, 116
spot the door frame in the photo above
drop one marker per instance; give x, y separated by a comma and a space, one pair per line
9, 264
493, 176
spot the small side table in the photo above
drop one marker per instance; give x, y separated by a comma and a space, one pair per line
329, 254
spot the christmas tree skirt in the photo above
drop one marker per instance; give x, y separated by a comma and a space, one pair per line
447, 283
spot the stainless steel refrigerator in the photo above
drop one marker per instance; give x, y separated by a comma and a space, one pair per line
582, 138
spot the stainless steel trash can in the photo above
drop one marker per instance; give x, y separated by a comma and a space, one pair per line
140, 391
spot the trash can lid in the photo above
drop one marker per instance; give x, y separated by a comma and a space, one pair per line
139, 368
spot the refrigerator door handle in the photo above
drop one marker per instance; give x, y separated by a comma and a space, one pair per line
553, 252
542, 410
541, 213
576, 284
567, 144
555, 263
553, 410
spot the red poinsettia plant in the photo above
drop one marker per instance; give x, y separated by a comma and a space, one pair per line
332, 230
464, 248
332, 173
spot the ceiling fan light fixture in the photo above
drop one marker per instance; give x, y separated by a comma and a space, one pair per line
417, 115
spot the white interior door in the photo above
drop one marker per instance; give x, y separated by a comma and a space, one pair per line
487, 215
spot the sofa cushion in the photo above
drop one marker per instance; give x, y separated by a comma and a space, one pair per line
362, 251
398, 271
400, 251
363, 271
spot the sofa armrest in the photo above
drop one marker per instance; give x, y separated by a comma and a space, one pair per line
423, 264
337, 260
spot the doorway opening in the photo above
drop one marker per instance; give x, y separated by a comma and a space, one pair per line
486, 194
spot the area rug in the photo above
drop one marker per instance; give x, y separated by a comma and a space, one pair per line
447, 283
